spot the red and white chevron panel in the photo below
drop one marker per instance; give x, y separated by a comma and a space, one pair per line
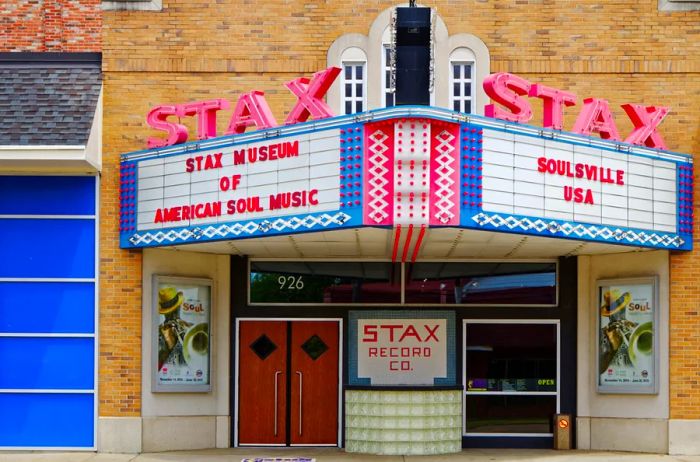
379, 183
444, 169
412, 173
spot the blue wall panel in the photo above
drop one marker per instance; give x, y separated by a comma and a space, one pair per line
47, 248
47, 195
36, 248
46, 420
47, 307
47, 363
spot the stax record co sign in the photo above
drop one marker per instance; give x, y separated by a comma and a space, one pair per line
402, 351
407, 168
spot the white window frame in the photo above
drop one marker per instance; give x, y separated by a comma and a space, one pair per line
462, 98
353, 98
556, 393
386, 85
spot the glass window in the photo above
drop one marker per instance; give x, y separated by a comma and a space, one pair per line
324, 282
490, 283
510, 414
386, 62
511, 357
510, 376
462, 79
353, 87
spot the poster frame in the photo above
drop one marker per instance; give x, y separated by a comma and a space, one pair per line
157, 387
652, 389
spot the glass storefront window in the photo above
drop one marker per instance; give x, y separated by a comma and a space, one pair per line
489, 283
510, 414
429, 283
511, 357
510, 376
324, 282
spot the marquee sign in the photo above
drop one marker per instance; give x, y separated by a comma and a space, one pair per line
408, 168
626, 197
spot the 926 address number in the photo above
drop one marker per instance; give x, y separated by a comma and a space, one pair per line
290, 282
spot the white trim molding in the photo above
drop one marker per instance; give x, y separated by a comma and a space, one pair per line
679, 5
132, 5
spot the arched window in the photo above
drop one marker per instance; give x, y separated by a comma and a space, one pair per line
387, 93
353, 88
467, 64
462, 63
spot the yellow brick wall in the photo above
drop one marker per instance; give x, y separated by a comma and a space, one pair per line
622, 50
119, 368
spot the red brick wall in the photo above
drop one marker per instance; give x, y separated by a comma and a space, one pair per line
50, 25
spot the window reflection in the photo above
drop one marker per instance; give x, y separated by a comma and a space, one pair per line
482, 283
324, 282
510, 414
511, 357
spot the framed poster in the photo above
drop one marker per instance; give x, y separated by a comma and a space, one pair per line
627, 341
182, 310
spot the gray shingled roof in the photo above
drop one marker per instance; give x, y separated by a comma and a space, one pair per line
50, 105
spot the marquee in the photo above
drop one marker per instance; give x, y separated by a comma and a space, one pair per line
407, 168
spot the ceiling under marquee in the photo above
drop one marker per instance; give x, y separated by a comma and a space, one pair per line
438, 243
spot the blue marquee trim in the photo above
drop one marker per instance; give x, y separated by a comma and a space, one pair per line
549, 227
211, 232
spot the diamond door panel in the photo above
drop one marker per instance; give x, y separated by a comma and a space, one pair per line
314, 373
262, 382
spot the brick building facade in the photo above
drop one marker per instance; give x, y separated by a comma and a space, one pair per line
180, 51
51, 26
621, 52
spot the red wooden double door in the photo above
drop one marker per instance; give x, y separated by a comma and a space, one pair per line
288, 383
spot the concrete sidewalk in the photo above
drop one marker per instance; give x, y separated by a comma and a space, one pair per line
336, 455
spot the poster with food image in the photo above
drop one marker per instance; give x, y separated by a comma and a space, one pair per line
627, 311
182, 310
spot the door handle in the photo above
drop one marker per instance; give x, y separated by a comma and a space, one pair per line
301, 393
277, 373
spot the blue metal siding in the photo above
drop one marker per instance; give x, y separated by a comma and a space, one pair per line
51, 307
47, 363
46, 420
47, 311
47, 248
47, 195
